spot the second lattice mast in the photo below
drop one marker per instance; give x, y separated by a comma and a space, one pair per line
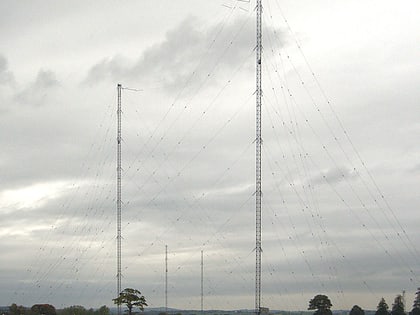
258, 142
119, 201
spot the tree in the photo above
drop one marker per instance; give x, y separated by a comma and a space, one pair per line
322, 304
74, 310
44, 309
416, 303
13, 309
103, 310
382, 308
131, 298
16, 310
398, 306
357, 310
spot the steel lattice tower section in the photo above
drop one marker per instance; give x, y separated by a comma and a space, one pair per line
258, 142
166, 279
119, 202
202, 282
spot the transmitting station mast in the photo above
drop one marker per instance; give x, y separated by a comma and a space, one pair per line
202, 287
258, 192
119, 202
166, 279
258, 142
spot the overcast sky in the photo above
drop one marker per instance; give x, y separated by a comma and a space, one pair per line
341, 154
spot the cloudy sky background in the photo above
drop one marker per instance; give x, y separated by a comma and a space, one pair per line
341, 167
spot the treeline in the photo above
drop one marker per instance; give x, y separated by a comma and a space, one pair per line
320, 303
48, 309
398, 307
322, 306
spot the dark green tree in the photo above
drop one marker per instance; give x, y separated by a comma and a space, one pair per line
357, 310
131, 298
44, 309
398, 306
382, 308
103, 310
74, 310
13, 309
16, 310
416, 304
322, 304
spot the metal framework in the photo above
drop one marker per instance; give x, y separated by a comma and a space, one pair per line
166, 279
258, 142
258, 192
119, 202
202, 287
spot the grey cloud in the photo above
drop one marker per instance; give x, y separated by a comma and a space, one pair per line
36, 93
414, 169
203, 207
333, 175
45, 79
6, 76
106, 69
184, 56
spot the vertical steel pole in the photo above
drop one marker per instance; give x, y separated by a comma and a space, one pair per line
258, 142
119, 202
166, 279
202, 282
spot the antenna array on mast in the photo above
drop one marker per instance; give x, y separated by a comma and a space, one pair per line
258, 191
258, 142
202, 287
119, 202
166, 279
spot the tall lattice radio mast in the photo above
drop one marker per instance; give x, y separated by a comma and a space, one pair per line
202, 283
258, 142
119, 202
166, 279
